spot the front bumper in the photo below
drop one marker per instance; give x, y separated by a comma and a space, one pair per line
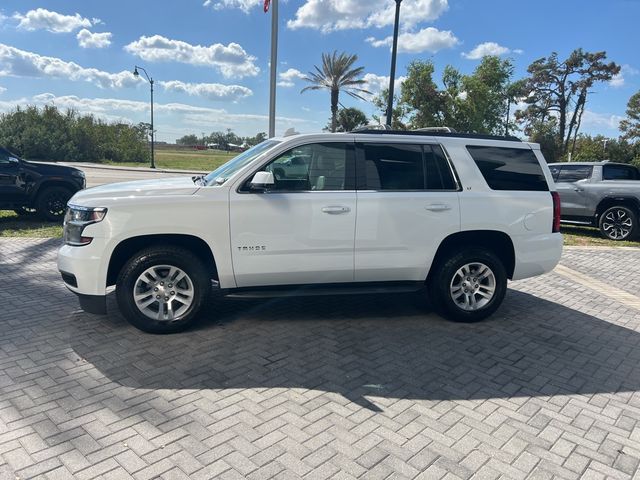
84, 273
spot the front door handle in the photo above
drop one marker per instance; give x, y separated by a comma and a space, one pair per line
335, 209
438, 207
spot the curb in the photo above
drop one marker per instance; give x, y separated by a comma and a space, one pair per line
96, 166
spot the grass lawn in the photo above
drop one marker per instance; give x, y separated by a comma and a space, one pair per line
11, 225
590, 237
200, 160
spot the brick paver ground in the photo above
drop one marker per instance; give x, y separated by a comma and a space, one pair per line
350, 387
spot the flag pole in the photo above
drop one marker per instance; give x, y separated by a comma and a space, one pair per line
274, 66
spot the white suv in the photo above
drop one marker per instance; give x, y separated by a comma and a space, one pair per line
374, 211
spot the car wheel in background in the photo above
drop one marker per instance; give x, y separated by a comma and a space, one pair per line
618, 223
52, 203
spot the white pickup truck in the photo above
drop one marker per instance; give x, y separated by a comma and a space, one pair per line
454, 215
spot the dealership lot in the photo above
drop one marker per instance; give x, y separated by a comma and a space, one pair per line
344, 387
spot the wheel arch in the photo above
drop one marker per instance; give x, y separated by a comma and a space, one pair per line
496, 241
54, 183
128, 247
612, 201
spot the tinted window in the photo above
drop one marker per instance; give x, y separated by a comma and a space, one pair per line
573, 173
394, 167
509, 168
406, 167
619, 172
318, 166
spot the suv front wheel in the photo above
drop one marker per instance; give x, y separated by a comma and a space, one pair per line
162, 289
469, 286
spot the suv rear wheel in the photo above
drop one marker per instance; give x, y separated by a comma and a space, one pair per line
618, 223
468, 286
162, 289
52, 203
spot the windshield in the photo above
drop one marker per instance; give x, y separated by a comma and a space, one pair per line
224, 172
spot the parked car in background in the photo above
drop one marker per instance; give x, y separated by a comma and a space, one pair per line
604, 195
451, 214
33, 188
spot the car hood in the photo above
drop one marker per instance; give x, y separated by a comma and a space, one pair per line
45, 168
140, 188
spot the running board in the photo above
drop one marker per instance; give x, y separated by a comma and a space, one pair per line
324, 290
577, 222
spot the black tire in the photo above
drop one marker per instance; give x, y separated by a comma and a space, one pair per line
618, 223
52, 203
157, 257
25, 212
445, 272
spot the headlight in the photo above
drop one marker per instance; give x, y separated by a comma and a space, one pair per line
76, 219
78, 173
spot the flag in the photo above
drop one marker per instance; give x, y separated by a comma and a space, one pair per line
266, 5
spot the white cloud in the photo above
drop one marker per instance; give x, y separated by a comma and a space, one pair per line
288, 77
55, 22
87, 39
489, 48
601, 120
211, 91
231, 60
377, 83
619, 79
244, 5
426, 40
20, 63
330, 15
2, 89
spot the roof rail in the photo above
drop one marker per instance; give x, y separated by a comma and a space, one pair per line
435, 129
428, 133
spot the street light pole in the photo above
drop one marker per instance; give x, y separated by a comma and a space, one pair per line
150, 80
273, 69
394, 52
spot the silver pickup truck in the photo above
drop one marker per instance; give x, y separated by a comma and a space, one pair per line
605, 195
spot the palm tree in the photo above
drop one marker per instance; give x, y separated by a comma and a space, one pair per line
337, 74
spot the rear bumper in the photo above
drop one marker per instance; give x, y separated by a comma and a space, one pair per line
536, 254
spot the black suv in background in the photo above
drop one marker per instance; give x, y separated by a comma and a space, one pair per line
36, 188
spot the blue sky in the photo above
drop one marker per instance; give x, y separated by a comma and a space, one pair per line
209, 58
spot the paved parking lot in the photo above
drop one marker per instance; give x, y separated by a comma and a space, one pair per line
350, 387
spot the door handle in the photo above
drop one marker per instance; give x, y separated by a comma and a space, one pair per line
335, 209
438, 207
576, 189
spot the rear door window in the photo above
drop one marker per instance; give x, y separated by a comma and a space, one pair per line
574, 173
506, 168
405, 167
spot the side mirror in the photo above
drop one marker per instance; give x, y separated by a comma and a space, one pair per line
262, 180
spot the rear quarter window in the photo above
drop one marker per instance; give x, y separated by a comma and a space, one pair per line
509, 168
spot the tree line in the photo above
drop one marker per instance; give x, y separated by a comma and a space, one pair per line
50, 134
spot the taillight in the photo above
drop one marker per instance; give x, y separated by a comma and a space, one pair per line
556, 212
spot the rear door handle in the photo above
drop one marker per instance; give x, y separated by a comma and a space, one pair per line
438, 207
335, 209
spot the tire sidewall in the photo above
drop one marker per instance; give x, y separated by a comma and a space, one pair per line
634, 223
145, 259
445, 271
